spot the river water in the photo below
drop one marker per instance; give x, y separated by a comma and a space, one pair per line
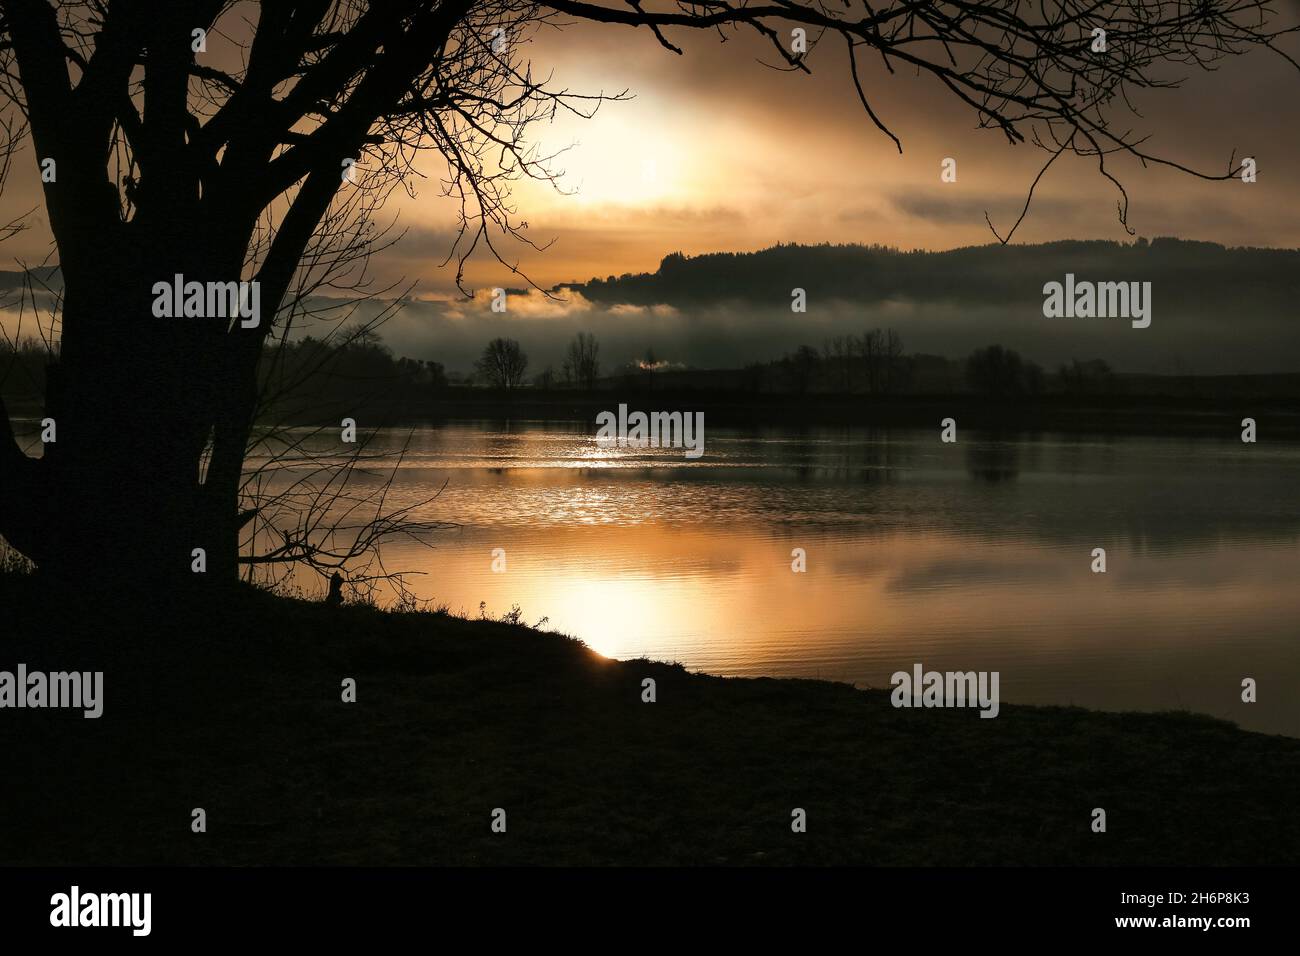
976, 555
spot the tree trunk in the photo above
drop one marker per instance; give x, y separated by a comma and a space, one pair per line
135, 400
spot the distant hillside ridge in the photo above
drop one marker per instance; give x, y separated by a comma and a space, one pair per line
1208, 274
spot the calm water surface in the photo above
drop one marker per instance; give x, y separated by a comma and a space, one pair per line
973, 556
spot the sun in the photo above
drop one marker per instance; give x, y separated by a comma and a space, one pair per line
620, 158
619, 165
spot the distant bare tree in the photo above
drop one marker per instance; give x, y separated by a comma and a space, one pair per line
582, 361
802, 367
838, 354
1000, 372
502, 363
894, 363
871, 347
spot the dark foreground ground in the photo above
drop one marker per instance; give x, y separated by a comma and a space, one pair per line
238, 711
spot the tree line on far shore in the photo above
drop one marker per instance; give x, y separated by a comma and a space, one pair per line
313, 373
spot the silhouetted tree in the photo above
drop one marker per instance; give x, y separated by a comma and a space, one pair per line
837, 354
802, 367
582, 361
171, 162
996, 371
753, 376
502, 363
436, 374
894, 367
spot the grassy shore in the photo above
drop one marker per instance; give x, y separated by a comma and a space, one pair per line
238, 711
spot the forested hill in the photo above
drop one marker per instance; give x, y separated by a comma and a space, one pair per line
1181, 271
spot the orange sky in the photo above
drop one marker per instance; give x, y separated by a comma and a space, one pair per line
718, 153
715, 152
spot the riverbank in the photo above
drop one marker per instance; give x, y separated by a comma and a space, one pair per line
238, 711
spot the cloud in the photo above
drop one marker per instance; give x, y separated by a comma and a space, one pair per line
945, 209
521, 305
661, 310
